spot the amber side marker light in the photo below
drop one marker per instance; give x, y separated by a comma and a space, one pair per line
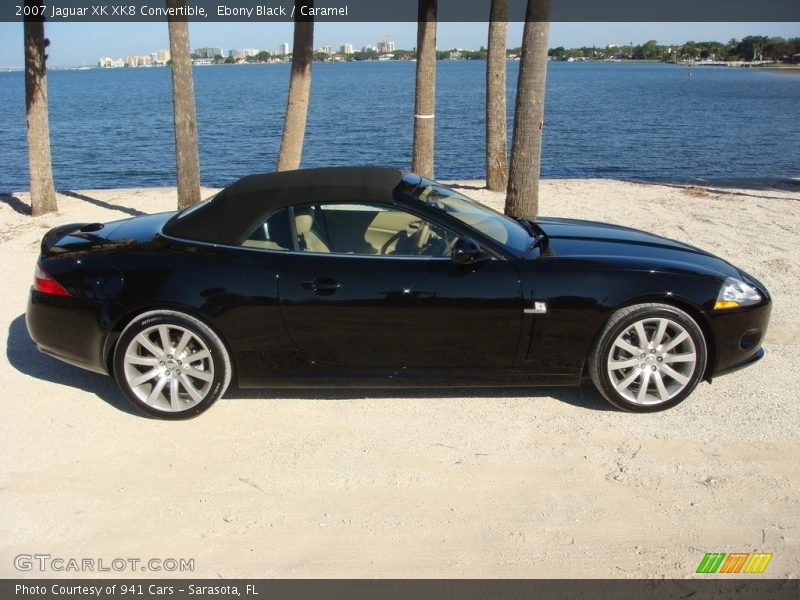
43, 282
723, 304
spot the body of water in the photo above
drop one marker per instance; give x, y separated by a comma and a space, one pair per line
113, 128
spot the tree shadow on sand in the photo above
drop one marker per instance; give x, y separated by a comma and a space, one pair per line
103, 204
16, 204
23, 355
753, 188
24, 208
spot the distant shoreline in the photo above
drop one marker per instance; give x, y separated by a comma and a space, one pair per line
784, 67
788, 184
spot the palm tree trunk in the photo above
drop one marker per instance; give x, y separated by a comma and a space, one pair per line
526, 146
187, 153
40, 165
496, 149
425, 101
294, 125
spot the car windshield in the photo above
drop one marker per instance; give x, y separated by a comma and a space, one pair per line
491, 223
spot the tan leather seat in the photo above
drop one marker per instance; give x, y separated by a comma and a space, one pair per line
309, 240
262, 245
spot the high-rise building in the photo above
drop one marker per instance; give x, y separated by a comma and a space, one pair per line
207, 52
163, 56
138, 61
347, 49
386, 46
284, 49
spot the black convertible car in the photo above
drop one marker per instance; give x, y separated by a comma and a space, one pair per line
372, 277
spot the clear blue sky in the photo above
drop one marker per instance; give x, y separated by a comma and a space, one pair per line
83, 43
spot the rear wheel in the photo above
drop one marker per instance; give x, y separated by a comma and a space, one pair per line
648, 357
171, 365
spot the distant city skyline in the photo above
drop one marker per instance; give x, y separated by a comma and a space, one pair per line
74, 44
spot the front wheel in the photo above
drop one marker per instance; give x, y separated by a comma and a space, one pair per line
171, 365
648, 357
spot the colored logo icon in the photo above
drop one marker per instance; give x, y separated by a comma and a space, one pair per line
734, 562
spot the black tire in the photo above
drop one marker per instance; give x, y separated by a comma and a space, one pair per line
667, 377
181, 385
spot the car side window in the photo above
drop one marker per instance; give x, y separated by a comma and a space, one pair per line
369, 229
273, 234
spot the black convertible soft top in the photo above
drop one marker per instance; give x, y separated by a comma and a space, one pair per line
237, 210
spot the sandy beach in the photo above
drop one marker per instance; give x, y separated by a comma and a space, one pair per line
426, 483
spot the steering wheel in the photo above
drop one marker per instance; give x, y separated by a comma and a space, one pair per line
394, 238
448, 250
423, 235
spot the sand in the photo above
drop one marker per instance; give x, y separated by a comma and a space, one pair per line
430, 483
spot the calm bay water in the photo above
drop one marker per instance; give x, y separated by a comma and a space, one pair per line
113, 128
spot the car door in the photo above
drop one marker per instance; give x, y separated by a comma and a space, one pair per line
373, 287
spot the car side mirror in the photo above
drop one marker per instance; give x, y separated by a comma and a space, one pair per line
465, 251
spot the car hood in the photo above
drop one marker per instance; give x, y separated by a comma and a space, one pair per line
589, 239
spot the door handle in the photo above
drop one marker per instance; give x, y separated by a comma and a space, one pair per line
321, 285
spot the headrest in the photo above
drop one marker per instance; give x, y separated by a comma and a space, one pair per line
303, 223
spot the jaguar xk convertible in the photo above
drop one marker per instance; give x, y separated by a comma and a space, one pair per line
370, 277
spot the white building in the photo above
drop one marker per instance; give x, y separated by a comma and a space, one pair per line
284, 49
386, 46
347, 49
243, 53
110, 63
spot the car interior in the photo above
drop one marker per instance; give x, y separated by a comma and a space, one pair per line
351, 229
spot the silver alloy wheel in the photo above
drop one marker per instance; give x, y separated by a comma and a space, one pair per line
169, 368
652, 361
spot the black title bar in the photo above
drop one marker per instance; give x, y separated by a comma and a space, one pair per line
420, 589
406, 10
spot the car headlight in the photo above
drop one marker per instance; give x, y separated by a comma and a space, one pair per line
736, 293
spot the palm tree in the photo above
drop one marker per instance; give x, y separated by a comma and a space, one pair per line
425, 101
496, 159
40, 166
526, 146
187, 153
294, 125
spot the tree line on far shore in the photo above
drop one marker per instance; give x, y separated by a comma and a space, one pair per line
752, 47
517, 174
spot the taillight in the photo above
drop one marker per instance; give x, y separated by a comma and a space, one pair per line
44, 283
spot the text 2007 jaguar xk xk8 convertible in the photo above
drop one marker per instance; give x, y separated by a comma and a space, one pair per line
373, 277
